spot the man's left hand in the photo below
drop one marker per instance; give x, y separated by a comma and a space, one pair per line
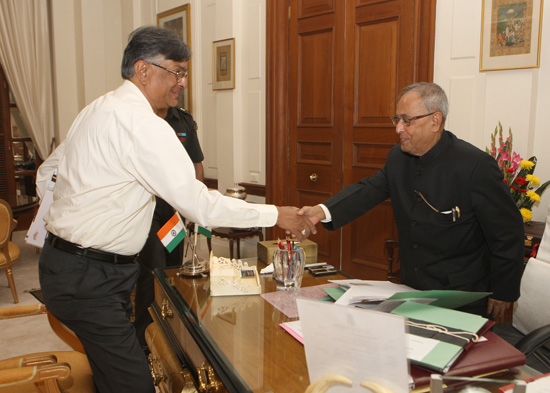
498, 308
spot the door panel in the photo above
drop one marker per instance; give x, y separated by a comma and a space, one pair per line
379, 57
337, 80
315, 109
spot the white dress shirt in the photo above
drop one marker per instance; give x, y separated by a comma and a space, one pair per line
117, 155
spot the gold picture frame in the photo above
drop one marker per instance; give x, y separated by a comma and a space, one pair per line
223, 64
510, 34
178, 20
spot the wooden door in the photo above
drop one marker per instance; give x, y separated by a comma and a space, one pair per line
316, 97
345, 63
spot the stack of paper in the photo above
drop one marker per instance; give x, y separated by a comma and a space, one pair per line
491, 356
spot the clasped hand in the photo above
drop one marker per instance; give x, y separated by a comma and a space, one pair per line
298, 225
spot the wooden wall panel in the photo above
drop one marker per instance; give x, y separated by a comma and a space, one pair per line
309, 8
315, 67
376, 62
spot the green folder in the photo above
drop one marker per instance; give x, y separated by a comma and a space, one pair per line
443, 354
443, 298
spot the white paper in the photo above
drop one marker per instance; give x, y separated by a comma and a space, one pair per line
371, 290
346, 341
418, 347
37, 230
541, 385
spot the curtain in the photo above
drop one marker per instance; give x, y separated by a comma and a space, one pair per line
25, 56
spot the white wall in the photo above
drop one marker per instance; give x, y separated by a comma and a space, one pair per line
90, 36
519, 99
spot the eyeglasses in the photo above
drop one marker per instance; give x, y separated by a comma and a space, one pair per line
455, 211
406, 119
179, 75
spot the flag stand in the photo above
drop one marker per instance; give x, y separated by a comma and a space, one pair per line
195, 266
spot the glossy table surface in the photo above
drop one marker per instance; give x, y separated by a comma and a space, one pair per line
240, 336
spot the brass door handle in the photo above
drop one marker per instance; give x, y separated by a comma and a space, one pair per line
165, 311
313, 177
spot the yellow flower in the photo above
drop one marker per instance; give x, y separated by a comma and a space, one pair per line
533, 196
524, 164
526, 214
532, 179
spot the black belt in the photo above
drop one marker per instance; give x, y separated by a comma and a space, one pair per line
71, 248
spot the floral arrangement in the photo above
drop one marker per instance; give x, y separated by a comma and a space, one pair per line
518, 173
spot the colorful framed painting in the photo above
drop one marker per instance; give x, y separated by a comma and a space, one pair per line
510, 34
178, 20
223, 64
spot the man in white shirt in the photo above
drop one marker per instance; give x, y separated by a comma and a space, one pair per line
116, 157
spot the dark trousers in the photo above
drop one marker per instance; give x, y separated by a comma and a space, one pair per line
153, 255
93, 299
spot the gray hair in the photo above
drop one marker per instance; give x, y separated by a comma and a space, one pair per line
433, 96
152, 44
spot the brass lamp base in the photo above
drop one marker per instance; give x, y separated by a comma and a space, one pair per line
194, 267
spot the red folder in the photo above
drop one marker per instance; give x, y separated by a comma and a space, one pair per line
483, 357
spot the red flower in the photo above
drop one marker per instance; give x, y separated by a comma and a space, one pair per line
510, 170
505, 181
521, 181
514, 188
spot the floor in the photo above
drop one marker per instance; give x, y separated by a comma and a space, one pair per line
27, 334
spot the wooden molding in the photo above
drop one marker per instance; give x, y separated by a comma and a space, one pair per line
254, 189
211, 183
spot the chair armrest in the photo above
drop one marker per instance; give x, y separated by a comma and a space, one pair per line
534, 340
38, 360
42, 375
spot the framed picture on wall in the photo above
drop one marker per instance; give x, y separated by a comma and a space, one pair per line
510, 34
178, 20
223, 64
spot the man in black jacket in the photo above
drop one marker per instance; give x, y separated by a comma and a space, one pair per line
458, 225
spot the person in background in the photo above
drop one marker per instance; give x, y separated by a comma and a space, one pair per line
458, 225
153, 254
117, 157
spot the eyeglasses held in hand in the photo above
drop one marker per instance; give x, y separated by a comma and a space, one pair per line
455, 211
179, 75
407, 119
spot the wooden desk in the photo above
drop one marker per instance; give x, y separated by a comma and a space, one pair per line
231, 343
238, 336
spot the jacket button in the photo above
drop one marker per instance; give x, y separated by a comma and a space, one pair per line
418, 172
415, 245
414, 223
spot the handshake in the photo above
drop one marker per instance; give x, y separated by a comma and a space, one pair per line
300, 223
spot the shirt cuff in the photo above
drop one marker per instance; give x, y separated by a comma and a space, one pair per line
328, 216
268, 214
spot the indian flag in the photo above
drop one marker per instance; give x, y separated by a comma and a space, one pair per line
172, 233
203, 231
